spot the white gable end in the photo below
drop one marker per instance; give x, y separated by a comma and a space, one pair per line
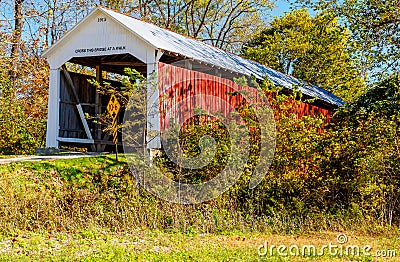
97, 35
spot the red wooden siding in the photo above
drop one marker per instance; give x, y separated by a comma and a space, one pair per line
178, 84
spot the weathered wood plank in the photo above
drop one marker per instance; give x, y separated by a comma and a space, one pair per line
75, 140
78, 106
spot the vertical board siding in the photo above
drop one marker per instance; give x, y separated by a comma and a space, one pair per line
178, 84
70, 123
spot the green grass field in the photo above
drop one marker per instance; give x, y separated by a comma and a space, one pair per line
91, 245
88, 209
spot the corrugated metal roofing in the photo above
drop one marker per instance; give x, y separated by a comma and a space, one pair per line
169, 41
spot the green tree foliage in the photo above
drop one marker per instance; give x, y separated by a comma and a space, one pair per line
22, 121
345, 168
23, 102
314, 49
381, 100
375, 25
363, 149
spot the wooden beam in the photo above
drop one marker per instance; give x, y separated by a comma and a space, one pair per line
78, 105
97, 109
74, 103
122, 63
75, 140
125, 56
105, 142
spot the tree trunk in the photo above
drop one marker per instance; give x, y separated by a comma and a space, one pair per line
16, 43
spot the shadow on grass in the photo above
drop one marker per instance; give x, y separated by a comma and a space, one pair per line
69, 169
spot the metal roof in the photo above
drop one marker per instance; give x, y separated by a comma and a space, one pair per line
169, 41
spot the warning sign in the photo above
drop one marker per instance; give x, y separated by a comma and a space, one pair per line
113, 107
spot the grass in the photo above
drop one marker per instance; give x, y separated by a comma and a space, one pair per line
163, 246
62, 165
89, 209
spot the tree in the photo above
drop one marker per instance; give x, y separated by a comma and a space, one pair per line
375, 25
222, 23
368, 135
48, 20
314, 49
23, 84
16, 38
23, 103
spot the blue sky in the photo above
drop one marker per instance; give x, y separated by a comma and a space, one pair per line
281, 7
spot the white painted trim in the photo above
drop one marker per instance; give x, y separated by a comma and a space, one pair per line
54, 46
153, 108
100, 39
75, 140
84, 122
129, 29
53, 116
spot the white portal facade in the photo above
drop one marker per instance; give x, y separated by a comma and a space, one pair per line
99, 34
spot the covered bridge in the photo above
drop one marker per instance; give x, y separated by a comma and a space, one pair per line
107, 41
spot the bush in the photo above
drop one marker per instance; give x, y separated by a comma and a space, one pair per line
347, 167
22, 125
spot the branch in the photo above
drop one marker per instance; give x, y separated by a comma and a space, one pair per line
202, 21
228, 19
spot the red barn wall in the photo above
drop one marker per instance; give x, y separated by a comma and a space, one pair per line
178, 84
